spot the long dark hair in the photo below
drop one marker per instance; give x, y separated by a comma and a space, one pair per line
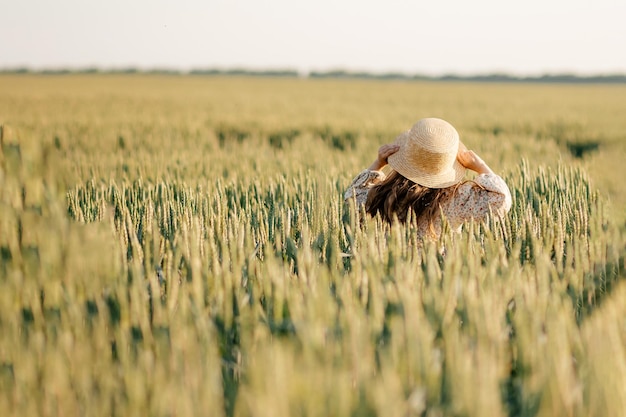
396, 195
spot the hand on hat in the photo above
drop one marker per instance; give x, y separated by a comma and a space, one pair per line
384, 152
470, 160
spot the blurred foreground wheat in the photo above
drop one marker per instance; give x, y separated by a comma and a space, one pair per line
131, 284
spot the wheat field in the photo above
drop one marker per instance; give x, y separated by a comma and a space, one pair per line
179, 246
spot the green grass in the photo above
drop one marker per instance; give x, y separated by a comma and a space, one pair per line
180, 246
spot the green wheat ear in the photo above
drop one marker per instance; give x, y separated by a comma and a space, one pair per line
183, 272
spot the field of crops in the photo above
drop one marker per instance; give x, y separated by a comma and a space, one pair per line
178, 245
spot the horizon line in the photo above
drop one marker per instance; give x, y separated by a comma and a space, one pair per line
331, 73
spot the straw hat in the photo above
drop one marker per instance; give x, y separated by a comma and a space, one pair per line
427, 154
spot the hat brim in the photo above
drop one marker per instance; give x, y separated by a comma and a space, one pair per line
451, 176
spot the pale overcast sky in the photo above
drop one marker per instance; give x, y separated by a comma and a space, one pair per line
435, 37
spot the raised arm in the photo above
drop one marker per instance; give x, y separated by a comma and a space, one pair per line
371, 176
470, 160
486, 193
384, 152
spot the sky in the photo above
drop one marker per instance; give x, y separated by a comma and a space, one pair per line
415, 37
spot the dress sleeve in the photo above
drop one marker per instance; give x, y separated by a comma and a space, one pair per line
476, 199
361, 185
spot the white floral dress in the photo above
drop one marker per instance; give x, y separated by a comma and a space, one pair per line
475, 199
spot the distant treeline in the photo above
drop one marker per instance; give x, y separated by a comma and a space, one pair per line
546, 78
496, 77
155, 71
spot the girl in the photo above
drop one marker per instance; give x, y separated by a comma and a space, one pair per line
428, 166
